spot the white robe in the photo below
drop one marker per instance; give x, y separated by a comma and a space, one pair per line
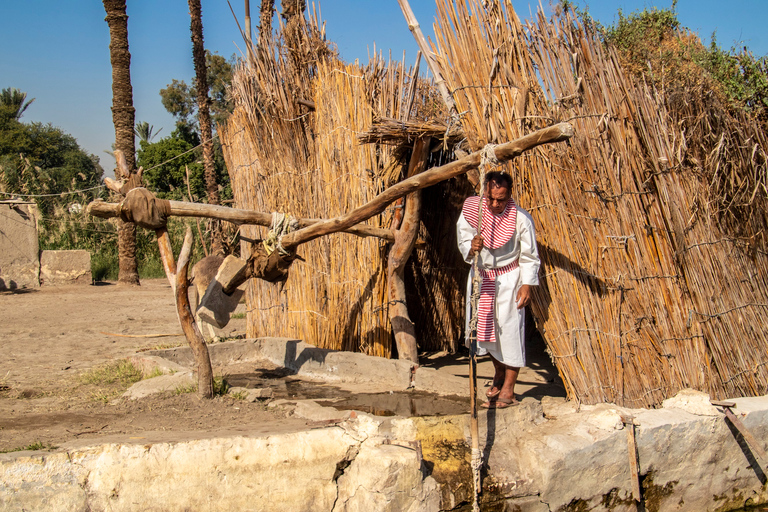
509, 320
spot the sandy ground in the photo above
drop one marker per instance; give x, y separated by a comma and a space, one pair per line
54, 335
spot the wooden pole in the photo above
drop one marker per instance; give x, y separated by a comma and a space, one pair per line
188, 325
415, 28
477, 457
634, 471
745, 433
166, 255
237, 216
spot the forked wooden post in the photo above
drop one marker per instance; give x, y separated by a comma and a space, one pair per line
187, 320
405, 238
177, 275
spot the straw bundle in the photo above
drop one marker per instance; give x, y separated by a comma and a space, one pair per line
654, 263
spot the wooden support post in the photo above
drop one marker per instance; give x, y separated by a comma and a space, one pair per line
634, 471
405, 238
756, 446
166, 255
188, 325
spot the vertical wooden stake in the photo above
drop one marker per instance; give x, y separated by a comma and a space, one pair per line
166, 255
405, 238
629, 424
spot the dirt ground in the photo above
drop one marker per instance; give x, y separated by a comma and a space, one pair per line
53, 335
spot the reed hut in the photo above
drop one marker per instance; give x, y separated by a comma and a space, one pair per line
650, 221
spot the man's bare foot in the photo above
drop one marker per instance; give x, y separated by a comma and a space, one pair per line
494, 390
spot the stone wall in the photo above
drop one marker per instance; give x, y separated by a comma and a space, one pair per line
22, 265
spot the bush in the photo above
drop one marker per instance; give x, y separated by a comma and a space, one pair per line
653, 45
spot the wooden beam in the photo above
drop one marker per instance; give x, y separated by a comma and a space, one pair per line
745, 433
237, 216
504, 152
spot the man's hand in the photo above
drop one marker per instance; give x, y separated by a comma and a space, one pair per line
477, 245
524, 296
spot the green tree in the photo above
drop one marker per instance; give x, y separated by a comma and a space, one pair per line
654, 45
180, 99
37, 159
166, 161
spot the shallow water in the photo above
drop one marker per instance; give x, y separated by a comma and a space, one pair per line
395, 403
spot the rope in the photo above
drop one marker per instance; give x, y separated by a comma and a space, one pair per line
282, 224
69, 192
487, 158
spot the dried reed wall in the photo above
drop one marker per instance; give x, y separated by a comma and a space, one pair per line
650, 220
283, 156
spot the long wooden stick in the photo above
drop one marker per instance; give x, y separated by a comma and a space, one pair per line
237, 216
634, 470
415, 28
504, 152
745, 433
474, 428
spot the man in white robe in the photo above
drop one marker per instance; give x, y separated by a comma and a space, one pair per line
509, 266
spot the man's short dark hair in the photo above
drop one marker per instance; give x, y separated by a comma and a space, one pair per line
501, 179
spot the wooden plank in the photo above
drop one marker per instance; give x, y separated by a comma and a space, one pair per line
634, 470
748, 437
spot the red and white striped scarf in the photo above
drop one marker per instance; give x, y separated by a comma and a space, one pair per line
497, 230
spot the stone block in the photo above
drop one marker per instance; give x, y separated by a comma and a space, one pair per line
216, 306
65, 267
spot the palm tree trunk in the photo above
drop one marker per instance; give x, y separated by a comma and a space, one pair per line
204, 119
123, 117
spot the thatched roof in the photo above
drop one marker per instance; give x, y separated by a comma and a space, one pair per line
650, 221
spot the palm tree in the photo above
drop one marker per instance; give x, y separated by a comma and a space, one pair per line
123, 117
145, 131
204, 120
14, 100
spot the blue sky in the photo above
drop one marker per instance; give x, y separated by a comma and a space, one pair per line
58, 51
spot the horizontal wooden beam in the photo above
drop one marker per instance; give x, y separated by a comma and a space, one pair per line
237, 216
503, 152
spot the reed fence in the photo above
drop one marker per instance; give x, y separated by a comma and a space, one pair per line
650, 222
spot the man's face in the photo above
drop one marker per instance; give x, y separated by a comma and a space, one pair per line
497, 197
